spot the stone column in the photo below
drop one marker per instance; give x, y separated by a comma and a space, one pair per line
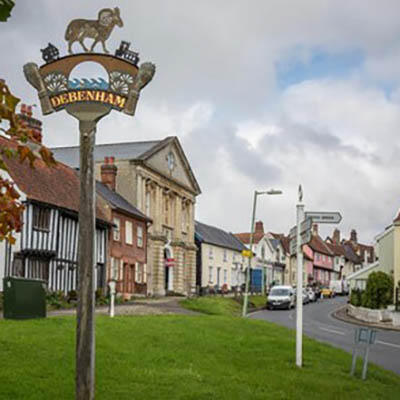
139, 191
157, 216
158, 270
178, 218
143, 190
190, 267
191, 222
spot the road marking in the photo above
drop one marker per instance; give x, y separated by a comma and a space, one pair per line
331, 330
388, 344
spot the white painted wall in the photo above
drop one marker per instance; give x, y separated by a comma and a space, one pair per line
230, 267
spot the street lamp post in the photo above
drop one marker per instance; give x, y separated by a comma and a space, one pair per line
246, 293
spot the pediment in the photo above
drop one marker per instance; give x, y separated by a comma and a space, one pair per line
169, 160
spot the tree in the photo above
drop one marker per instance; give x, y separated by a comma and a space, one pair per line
24, 145
379, 291
5, 9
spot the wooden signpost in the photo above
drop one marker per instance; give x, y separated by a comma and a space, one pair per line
88, 100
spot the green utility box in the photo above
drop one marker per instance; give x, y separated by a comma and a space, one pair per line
24, 298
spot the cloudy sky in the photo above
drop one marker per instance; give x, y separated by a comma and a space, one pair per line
260, 93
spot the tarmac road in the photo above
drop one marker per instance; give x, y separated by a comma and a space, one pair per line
319, 324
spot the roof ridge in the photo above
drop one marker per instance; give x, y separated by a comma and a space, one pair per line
108, 144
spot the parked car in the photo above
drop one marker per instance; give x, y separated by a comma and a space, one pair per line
327, 292
281, 297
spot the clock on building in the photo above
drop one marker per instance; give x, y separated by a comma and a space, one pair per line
171, 161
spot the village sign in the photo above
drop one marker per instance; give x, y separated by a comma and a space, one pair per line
88, 98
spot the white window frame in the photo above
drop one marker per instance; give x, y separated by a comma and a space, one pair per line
144, 273
210, 253
225, 255
115, 268
129, 232
137, 272
210, 275
139, 231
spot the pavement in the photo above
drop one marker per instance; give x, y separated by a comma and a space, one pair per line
162, 306
342, 315
320, 324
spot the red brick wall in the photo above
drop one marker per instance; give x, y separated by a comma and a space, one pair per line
128, 253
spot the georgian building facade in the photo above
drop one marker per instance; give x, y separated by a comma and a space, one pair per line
156, 178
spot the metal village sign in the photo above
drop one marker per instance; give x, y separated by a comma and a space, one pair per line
88, 99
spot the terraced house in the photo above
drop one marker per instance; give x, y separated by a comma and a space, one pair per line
269, 263
220, 264
127, 253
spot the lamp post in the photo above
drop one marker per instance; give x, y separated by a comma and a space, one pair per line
246, 293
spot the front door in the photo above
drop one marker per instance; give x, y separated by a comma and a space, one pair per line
125, 283
166, 279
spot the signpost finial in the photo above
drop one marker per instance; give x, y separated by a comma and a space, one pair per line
300, 194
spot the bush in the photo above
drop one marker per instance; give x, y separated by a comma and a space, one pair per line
379, 291
57, 300
356, 297
1, 301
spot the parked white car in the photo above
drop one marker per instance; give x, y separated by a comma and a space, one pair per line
281, 297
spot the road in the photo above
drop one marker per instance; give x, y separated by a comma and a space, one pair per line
320, 325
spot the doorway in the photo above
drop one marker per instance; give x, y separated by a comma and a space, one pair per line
169, 270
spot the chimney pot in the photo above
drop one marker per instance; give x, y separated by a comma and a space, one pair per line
109, 173
259, 227
353, 236
315, 229
336, 236
31, 123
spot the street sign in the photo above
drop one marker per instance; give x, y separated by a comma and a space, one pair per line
324, 217
304, 227
247, 253
305, 238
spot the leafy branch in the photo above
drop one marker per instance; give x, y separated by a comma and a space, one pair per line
23, 145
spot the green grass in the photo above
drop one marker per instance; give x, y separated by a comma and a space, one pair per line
180, 357
213, 305
217, 305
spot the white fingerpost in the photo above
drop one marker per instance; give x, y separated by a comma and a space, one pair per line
299, 305
112, 285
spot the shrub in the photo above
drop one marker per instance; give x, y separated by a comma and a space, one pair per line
1, 301
379, 291
57, 300
356, 297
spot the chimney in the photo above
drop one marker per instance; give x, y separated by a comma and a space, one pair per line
336, 236
109, 173
353, 236
259, 227
32, 123
315, 229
